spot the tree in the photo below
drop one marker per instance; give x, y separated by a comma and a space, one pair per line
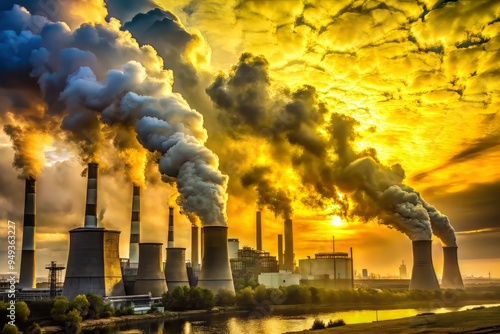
225, 297
81, 304
22, 313
73, 323
207, 299
61, 306
9, 329
96, 307
245, 298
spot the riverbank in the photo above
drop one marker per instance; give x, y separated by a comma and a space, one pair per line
485, 320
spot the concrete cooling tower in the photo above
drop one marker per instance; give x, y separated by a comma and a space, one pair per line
452, 279
150, 279
93, 259
27, 277
175, 268
194, 247
423, 275
215, 271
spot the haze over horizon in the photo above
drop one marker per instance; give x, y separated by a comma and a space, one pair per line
343, 115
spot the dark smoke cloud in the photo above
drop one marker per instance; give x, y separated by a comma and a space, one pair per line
67, 64
319, 143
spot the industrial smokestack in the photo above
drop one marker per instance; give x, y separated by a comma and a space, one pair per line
280, 251
91, 207
135, 228
452, 279
288, 265
259, 230
27, 278
175, 268
333, 244
150, 279
215, 271
202, 243
423, 275
170, 227
194, 246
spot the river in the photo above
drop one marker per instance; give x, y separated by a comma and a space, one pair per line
285, 321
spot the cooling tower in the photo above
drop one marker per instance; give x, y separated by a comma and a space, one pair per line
93, 263
259, 230
175, 268
150, 279
423, 275
91, 207
288, 265
27, 277
93, 259
194, 246
452, 279
280, 251
135, 228
170, 227
215, 271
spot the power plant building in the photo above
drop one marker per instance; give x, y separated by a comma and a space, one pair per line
233, 245
329, 270
252, 262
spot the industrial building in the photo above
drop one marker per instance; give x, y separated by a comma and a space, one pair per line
252, 262
281, 278
327, 270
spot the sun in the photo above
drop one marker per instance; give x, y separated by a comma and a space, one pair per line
337, 221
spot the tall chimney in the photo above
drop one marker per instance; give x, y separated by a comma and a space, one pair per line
423, 276
333, 243
135, 229
280, 251
175, 268
150, 279
288, 265
27, 278
194, 246
170, 227
91, 207
452, 279
259, 230
215, 271
202, 244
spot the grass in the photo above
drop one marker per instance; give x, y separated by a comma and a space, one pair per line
453, 322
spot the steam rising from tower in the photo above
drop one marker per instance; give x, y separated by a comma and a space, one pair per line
135, 229
27, 278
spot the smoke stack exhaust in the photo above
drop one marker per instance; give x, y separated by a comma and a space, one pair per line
91, 207
259, 230
280, 251
170, 227
135, 228
27, 278
452, 279
423, 276
175, 268
149, 275
215, 271
288, 265
194, 246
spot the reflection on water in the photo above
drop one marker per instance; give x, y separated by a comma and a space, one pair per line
272, 324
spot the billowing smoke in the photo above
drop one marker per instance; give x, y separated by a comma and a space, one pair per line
319, 144
66, 65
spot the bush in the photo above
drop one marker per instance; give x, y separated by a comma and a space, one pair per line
109, 311
225, 297
96, 307
318, 324
186, 298
61, 306
73, 323
245, 298
9, 329
336, 323
81, 304
34, 329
